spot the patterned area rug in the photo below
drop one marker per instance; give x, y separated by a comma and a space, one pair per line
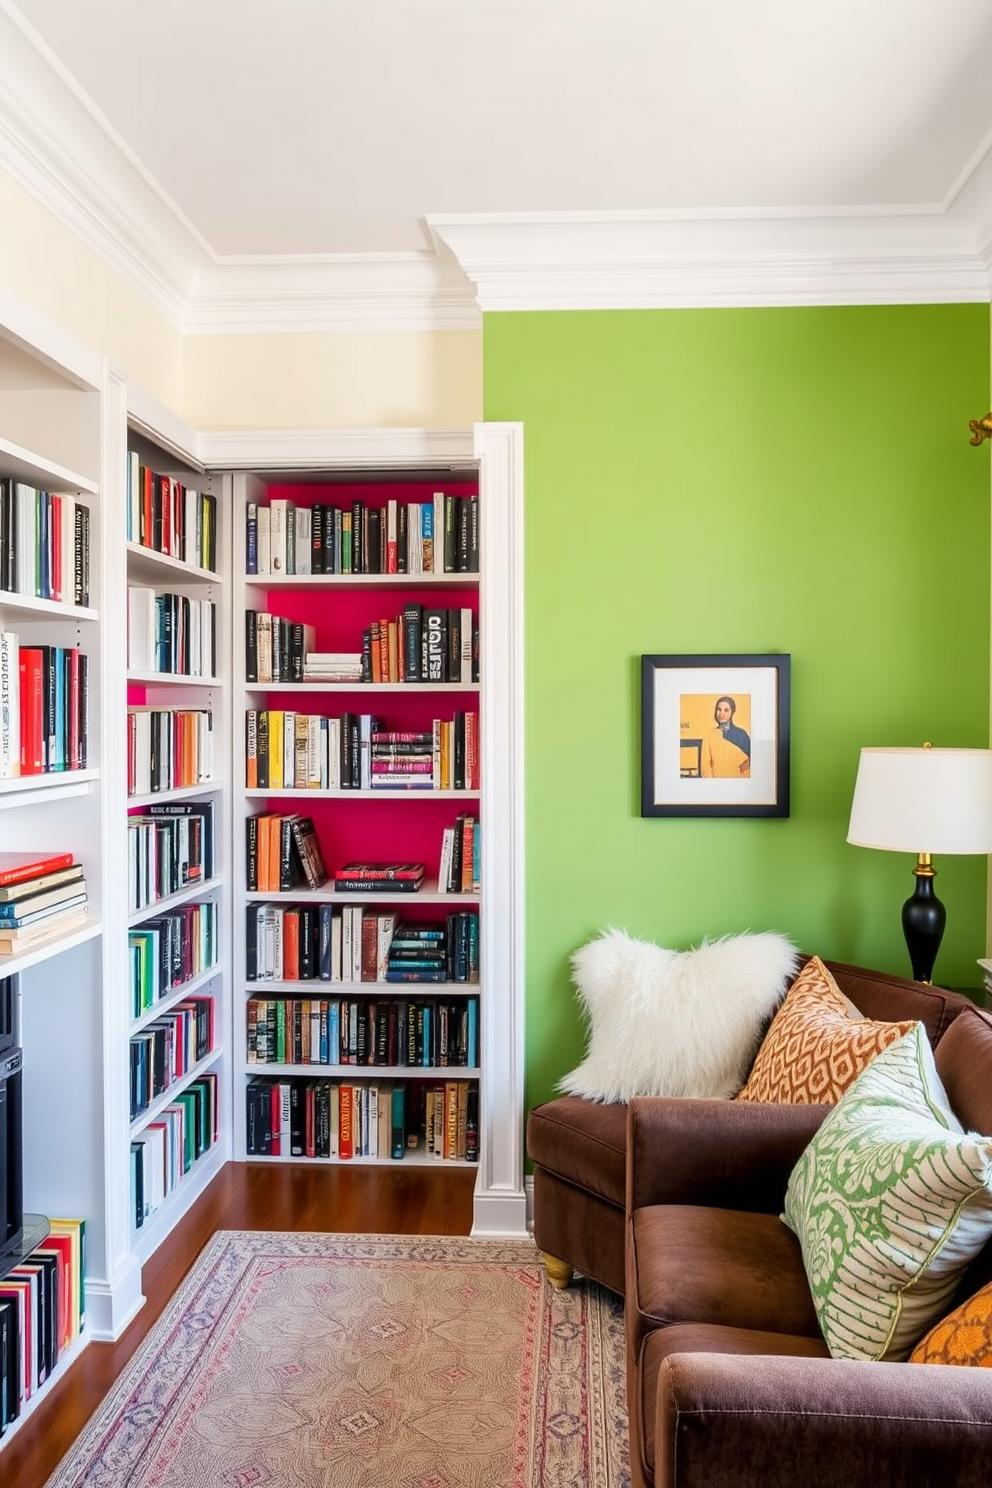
364, 1361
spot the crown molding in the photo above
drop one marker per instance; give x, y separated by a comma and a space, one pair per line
321, 449
60, 150
667, 260
348, 292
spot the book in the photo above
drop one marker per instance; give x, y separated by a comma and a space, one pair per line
32, 935
10, 893
374, 872
16, 867
308, 851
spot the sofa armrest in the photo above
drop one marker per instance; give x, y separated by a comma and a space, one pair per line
722, 1419
724, 1154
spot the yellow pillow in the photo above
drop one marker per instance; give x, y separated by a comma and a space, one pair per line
963, 1337
814, 1049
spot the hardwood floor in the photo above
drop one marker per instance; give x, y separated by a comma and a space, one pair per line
340, 1199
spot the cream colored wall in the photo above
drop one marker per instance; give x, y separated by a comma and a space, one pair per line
430, 380
44, 264
354, 381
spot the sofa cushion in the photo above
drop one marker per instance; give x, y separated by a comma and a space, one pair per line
817, 1044
582, 1141
890, 1200
705, 1338
665, 1022
691, 1264
963, 1337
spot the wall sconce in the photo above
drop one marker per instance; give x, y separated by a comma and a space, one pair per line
980, 429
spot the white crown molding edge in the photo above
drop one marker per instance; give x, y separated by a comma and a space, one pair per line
656, 260
321, 449
63, 153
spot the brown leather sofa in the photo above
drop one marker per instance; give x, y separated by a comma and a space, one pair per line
579, 1147
729, 1381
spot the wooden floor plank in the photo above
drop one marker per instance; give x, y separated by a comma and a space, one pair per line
244, 1196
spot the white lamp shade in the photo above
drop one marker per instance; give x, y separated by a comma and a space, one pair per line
923, 801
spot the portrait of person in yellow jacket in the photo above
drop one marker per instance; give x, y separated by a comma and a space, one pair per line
726, 751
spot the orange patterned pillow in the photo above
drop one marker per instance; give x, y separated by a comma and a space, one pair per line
963, 1337
814, 1048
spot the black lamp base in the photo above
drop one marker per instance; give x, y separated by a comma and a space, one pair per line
923, 920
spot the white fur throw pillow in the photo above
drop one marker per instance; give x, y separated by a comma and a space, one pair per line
675, 1022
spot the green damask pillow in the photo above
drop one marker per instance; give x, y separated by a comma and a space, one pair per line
890, 1201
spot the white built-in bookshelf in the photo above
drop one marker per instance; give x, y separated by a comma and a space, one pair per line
70, 425
53, 398
176, 541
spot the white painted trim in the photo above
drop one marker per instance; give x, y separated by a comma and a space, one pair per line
499, 1196
110, 1306
47, 342
147, 416
661, 260
318, 449
61, 150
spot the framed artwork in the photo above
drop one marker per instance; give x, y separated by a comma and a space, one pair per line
715, 735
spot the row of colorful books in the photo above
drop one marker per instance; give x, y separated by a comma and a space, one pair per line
423, 644
431, 1034
44, 544
44, 708
165, 1050
346, 1120
287, 750
170, 518
170, 846
320, 942
170, 633
42, 1312
168, 951
395, 537
166, 1148
168, 748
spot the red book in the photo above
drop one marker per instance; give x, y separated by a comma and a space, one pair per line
291, 945
32, 679
346, 1137
16, 867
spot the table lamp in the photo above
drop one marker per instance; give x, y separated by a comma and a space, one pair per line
923, 801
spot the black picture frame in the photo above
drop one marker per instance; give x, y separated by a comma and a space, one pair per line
715, 735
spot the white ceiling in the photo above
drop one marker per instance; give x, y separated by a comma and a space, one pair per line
255, 134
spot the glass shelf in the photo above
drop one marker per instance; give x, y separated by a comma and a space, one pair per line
33, 1232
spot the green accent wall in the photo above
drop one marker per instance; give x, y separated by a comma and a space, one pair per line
724, 481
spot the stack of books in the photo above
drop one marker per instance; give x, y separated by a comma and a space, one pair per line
379, 878
41, 895
332, 666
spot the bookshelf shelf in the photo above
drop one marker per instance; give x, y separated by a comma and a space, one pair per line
412, 1158
56, 784
34, 469
371, 1073
177, 994
302, 793
177, 793
373, 990
363, 689
365, 581
33, 956
426, 894
146, 1240
30, 604
170, 679
173, 901
147, 566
